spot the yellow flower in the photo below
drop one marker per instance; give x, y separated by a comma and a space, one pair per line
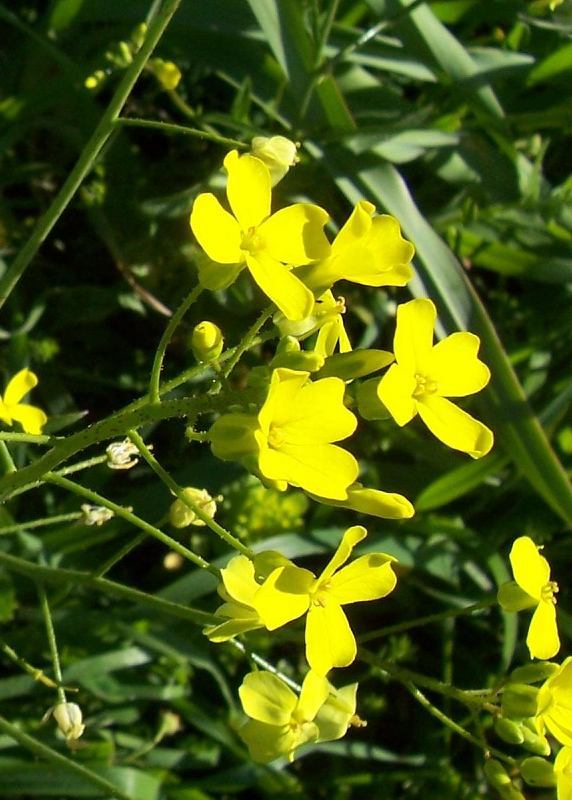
554, 705
326, 318
532, 574
31, 419
238, 590
296, 427
281, 722
290, 591
269, 245
369, 250
424, 375
563, 770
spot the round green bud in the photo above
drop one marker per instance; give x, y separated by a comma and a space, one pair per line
538, 772
206, 341
496, 774
509, 731
519, 701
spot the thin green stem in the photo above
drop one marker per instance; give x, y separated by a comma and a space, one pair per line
59, 760
30, 438
248, 339
121, 553
266, 665
154, 394
44, 522
34, 672
130, 517
89, 154
179, 493
6, 459
428, 620
58, 576
172, 128
454, 726
51, 634
81, 465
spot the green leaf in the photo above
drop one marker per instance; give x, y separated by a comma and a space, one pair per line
553, 65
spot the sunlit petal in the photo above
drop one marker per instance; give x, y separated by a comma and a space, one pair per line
351, 537
454, 366
295, 234
267, 742
285, 385
283, 596
414, 334
307, 421
356, 227
248, 189
217, 232
454, 427
315, 690
19, 386
531, 570
369, 577
329, 638
293, 299
395, 390
238, 579
322, 469
542, 639
266, 698
31, 419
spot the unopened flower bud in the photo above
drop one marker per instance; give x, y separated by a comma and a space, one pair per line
167, 73
138, 35
519, 701
509, 731
370, 406
496, 774
181, 515
122, 455
538, 772
93, 81
533, 742
533, 673
277, 152
207, 341
96, 515
69, 720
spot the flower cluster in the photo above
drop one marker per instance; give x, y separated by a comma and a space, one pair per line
293, 426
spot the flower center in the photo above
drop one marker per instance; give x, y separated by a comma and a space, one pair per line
548, 591
320, 594
251, 241
297, 720
276, 437
424, 386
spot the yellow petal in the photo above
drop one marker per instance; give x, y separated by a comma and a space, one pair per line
318, 414
266, 698
293, 299
531, 570
322, 469
329, 638
563, 770
351, 537
395, 390
248, 189
454, 427
238, 579
22, 382
31, 419
268, 742
542, 639
334, 717
217, 232
387, 505
283, 596
380, 258
294, 235
369, 577
315, 690
392, 250
454, 365
414, 335
285, 385
356, 227
5, 413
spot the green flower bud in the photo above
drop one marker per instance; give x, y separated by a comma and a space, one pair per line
181, 515
206, 341
512, 598
496, 774
232, 436
519, 701
68, 717
370, 406
277, 152
138, 35
533, 742
538, 772
508, 731
167, 73
534, 673
355, 364
304, 361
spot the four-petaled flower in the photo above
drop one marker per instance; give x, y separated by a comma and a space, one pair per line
296, 427
281, 722
534, 588
425, 375
269, 245
31, 419
290, 591
554, 705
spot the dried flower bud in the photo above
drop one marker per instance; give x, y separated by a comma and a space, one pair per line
122, 455
96, 515
181, 515
206, 341
69, 719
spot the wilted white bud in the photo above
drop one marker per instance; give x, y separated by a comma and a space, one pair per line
69, 719
277, 152
180, 515
122, 455
96, 515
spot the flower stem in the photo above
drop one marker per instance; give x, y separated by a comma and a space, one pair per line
90, 152
154, 394
129, 516
40, 523
30, 438
248, 339
34, 672
178, 492
169, 127
51, 634
6, 459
